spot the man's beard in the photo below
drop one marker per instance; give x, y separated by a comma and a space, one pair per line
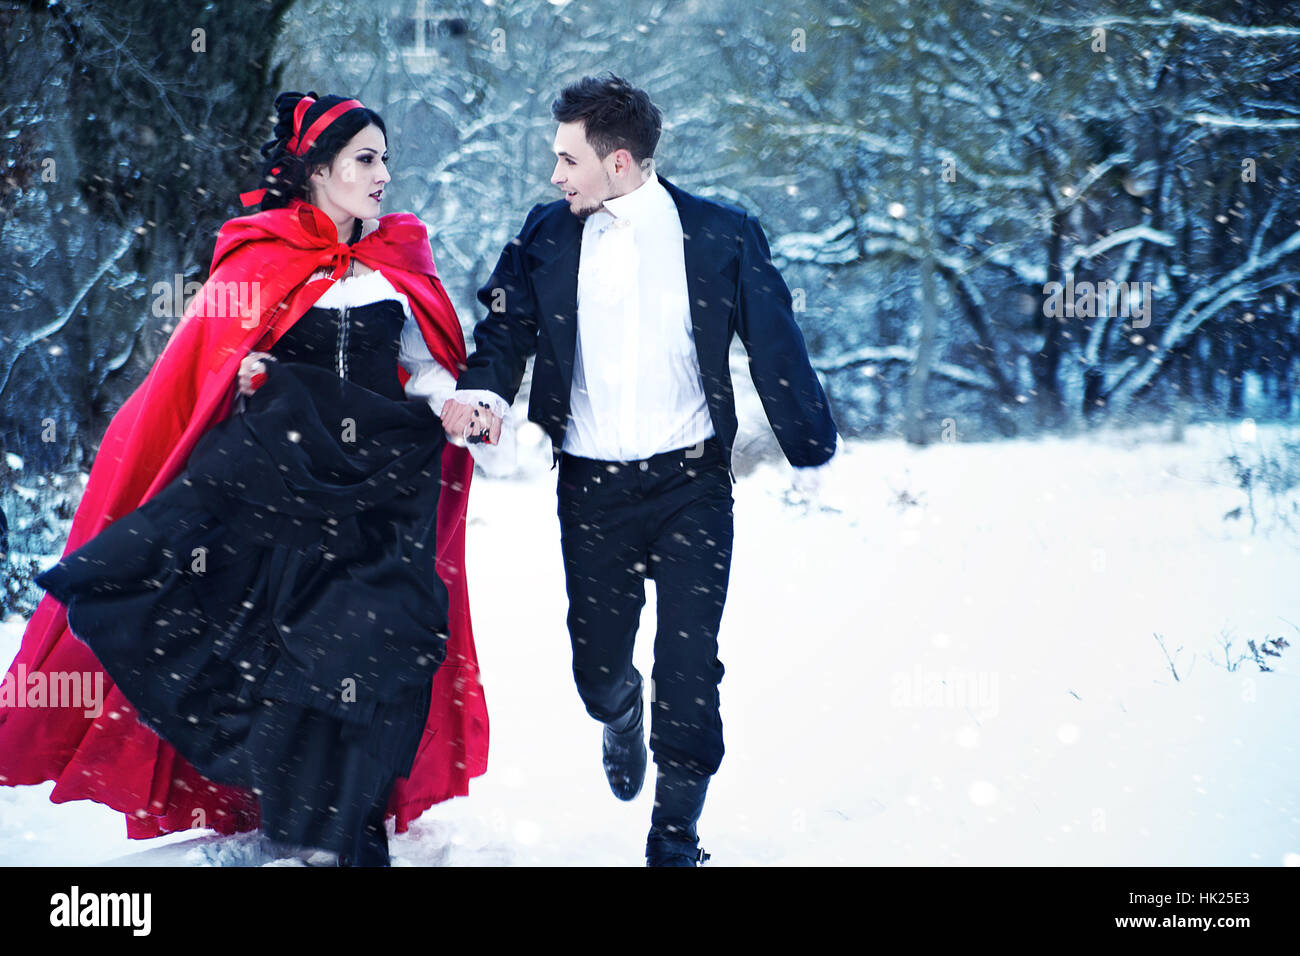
584, 214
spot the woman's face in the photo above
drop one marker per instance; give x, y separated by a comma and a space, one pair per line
353, 186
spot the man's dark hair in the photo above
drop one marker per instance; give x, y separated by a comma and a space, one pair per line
614, 113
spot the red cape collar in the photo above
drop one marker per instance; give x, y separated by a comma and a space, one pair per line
400, 242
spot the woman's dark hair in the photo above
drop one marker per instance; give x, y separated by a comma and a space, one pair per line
615, 115
291, 180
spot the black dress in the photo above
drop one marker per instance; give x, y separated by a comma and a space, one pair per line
275, 613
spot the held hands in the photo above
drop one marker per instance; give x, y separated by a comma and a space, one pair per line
470, 424
252, 371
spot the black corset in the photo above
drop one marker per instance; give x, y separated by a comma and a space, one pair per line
357, 342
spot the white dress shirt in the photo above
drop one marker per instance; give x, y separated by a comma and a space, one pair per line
636, 387
428, 381
636, 378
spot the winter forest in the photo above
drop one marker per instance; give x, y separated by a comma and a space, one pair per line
1045, 257
997, 218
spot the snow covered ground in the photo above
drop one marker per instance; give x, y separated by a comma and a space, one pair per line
969, 679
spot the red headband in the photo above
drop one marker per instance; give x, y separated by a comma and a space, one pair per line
300, 142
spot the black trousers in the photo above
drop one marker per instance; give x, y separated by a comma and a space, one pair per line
668, 517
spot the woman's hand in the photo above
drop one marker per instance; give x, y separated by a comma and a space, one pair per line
470, 423
252, 371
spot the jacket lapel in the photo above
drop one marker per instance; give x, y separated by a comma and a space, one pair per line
554, 272
710, 289
710, 258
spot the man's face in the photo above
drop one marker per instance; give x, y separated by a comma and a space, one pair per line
586, 179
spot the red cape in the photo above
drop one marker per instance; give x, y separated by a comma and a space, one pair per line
256, 290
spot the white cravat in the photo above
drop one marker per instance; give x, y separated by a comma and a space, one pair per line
636, 379
608, 286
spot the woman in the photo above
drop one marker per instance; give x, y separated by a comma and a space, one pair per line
278, 593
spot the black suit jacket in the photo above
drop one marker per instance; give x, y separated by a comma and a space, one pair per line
734, 289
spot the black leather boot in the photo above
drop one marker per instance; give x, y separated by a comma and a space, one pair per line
624, 753
679, 799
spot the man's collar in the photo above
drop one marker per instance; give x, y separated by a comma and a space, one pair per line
632, 205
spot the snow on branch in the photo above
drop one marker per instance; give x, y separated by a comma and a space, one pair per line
1234, 286
833, 245
837, 245
1245, 122
1140, 233
15, 348
1178, 18
883, 354
1095, 172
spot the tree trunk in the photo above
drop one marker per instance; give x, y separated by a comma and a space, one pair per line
915, 427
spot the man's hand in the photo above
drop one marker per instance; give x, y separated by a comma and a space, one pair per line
807, 482
464, 423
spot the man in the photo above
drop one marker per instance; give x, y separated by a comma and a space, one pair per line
629, 291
